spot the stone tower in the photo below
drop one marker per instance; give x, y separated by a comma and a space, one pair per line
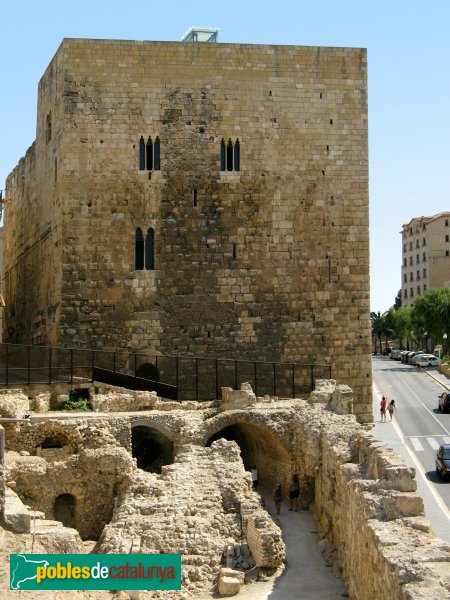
199, 200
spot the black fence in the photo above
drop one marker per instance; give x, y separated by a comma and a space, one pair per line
186, 378
135, 383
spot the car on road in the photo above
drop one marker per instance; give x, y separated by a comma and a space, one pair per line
416, 357
443, 461
444, 402
427, 360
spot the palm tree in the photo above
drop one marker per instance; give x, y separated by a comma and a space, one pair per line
378, 328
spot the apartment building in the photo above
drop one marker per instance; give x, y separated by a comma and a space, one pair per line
425, 255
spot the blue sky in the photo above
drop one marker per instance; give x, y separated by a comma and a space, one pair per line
409, 84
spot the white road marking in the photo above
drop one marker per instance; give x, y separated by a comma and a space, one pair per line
447, 440
427, 409
416, 445
433, 443
419, 467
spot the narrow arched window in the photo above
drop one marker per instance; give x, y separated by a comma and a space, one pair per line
156, 161
222, 155
141, 154
230, 155
139, 250
237, 155
149, 154
149, 250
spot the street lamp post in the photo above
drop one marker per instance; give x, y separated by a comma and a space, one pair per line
444, 345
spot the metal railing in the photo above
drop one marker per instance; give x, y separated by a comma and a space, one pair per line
196, 378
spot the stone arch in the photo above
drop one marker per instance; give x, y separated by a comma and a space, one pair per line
51, 442
151, 447
148, 371
64, 509
260, 446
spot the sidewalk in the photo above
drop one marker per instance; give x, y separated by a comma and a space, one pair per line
306, 576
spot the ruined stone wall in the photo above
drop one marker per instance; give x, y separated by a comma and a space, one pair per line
91, 478
370, 518
72, 436
200, 506
266, 263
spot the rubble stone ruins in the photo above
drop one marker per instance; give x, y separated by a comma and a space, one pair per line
175, 477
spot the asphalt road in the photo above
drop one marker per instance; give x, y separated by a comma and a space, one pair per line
418, 429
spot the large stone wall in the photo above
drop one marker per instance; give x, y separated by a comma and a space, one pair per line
267, 263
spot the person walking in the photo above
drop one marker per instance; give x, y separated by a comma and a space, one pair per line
294, 492
391, 408
278, 497
383, 405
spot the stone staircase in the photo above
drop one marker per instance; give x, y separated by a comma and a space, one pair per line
53, 534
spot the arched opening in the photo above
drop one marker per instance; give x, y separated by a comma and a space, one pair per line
151, 448
141, 154
139, 250
147, 371
230, 155
237, 156
51, 442
157, 158
149, 154
222, 155
64, 509
260, 447
149, 250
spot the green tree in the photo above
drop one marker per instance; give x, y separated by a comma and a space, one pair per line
398, 300
430, 314
402, 319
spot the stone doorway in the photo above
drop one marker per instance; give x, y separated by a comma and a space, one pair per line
151, 448
259, 447
64, 509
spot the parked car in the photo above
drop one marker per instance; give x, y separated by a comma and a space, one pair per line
416, 357
443, 460
444, 402
427, 360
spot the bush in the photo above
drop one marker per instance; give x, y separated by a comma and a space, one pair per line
76, 404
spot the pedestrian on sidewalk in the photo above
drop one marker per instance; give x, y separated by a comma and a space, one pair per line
254, 477
278, 497
383, 405
391, 407
294, 492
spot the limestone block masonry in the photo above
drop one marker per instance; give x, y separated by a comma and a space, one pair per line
267, 261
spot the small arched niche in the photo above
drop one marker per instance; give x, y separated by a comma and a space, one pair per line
147, 371
64, 507
51, 442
